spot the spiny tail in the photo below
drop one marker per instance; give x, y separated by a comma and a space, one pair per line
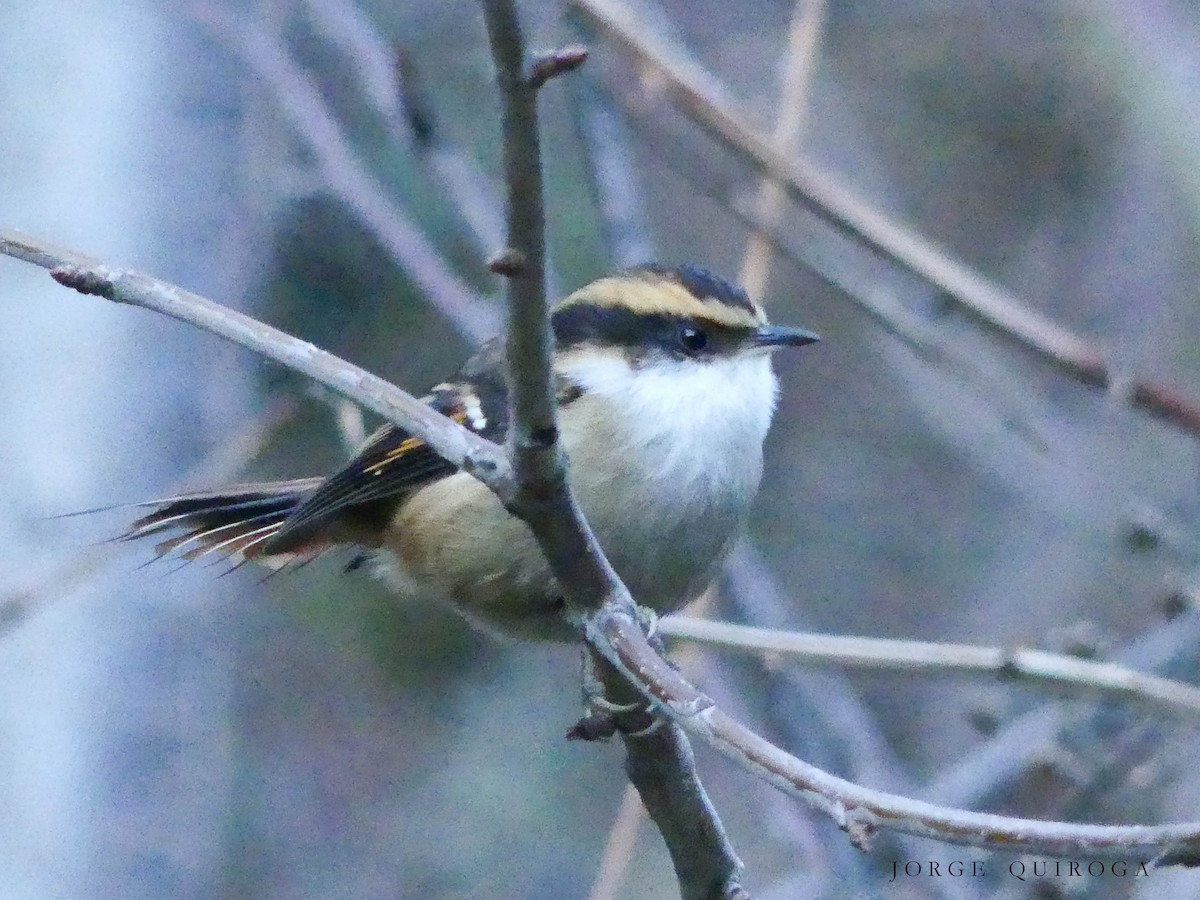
231, 524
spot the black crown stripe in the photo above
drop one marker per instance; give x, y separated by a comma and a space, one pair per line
700, 283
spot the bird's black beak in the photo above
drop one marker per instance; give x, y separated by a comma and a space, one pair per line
772, 336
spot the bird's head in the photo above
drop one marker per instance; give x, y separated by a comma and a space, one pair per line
682, 355
668, 326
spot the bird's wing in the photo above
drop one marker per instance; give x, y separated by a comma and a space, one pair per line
363, 496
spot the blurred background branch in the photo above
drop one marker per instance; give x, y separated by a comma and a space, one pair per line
808, 185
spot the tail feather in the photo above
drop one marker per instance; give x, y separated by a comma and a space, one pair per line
230, 524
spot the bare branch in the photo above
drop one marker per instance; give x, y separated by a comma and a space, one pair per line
835, 703
927, 657
453, 442
824, 196
542, 496
660, 764
920, 336
798, 65
597, 602
1032, 737
860, 809
533, 439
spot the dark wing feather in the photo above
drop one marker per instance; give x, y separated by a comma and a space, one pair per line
278, 523
360, 499
357, 503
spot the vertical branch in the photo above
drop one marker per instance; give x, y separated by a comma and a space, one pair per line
541, 495
523, 261
659, 764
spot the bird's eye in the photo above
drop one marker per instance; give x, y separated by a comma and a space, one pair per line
693, 340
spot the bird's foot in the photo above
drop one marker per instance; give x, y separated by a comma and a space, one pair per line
603, 717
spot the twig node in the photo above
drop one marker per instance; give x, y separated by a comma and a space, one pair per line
509, 262
551, 65
84, 280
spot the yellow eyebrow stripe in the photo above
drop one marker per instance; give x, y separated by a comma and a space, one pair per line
660, 295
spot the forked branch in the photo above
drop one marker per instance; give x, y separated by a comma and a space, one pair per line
532, 481
613, 629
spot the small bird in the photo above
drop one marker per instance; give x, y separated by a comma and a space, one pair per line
665, 394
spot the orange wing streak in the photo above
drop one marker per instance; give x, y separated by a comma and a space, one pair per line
412, 443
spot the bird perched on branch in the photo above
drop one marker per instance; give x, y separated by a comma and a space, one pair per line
665, 394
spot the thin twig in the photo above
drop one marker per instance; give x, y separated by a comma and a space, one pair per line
865, 750
824, 196
1032, 737
860, 811
920, 336
454, 443
542, 496
825, 712
928, 657
606, 141
597, 602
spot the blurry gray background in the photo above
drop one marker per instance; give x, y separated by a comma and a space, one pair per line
171, 734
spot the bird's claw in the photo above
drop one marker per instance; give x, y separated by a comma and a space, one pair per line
648, 619
603, 704
600, 719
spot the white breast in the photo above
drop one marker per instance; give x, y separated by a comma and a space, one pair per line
666, 460
701, 420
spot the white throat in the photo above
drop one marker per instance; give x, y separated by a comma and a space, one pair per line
698, 425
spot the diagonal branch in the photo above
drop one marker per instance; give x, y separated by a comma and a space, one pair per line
799, 62
90, 276
344, 174
861, 811
822, 194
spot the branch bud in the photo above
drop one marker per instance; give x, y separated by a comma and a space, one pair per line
551, 65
